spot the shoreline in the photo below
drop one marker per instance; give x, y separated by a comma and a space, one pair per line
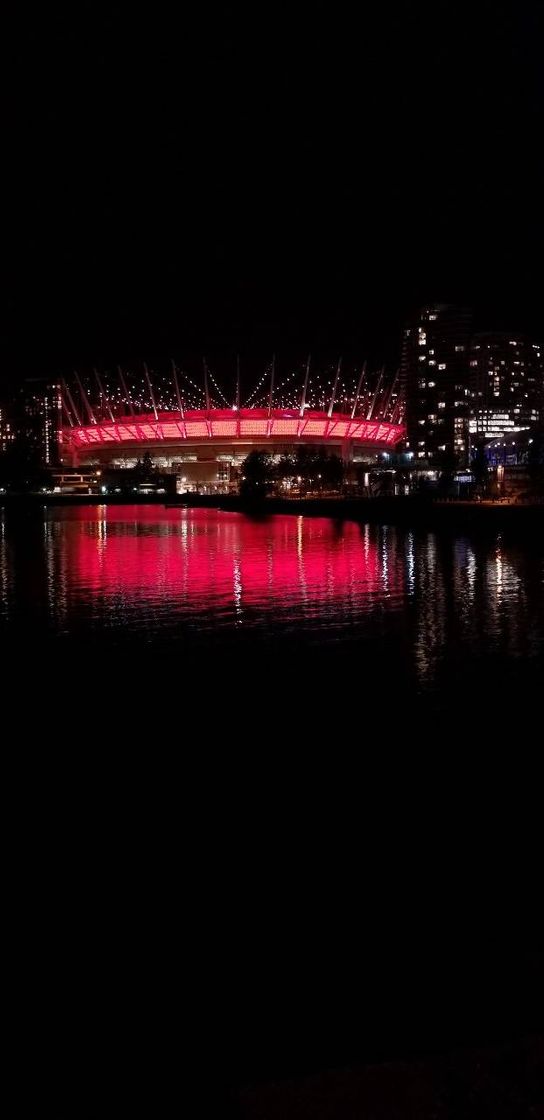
406, 511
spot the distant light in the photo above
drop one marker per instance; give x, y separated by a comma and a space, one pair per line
104, 489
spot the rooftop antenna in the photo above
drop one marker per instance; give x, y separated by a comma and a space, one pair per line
103, 395
360, 382
71, 403
396, 410
271, 396
151, 394
392, 387
331, 405
375, 397
206, 388
176, 385
305, 389
66, 409
125, 390
237, 382
85, 398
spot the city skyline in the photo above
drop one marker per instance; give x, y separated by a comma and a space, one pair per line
455, 390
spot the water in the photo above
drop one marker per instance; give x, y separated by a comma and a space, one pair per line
438, 615
204, 761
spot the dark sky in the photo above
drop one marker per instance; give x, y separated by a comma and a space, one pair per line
276, 177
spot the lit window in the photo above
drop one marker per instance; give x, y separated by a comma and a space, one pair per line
432, 317
431, 351
432, 362
431, 384
441, 404
458, 349
441, 365
441, 446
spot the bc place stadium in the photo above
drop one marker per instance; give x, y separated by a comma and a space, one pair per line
197, 432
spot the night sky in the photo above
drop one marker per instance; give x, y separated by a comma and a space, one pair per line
265, 179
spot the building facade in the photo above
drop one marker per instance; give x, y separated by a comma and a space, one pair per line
436, 377
205, 449
508, 387
6, 429
38, 421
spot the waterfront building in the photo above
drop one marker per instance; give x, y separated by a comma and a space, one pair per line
508, 387
37, 419
203, 438
436, 378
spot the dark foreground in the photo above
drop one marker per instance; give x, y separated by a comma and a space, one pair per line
410, 511
272, 806
501, 1081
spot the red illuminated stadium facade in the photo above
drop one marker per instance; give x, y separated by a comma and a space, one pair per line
206, 446
202, 443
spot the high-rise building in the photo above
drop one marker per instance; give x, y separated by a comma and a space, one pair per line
436, 377
508, 389
39, 419
6, 430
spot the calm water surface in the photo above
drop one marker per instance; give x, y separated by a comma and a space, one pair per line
422, 606
279, 872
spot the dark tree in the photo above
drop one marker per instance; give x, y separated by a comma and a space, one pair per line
535, 463
257, 475
144, 468
447, 462
332, 472
480, 468
21, 469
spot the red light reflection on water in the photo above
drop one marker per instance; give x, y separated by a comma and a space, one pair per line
199, 558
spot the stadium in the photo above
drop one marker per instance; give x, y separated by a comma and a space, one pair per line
197, 434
